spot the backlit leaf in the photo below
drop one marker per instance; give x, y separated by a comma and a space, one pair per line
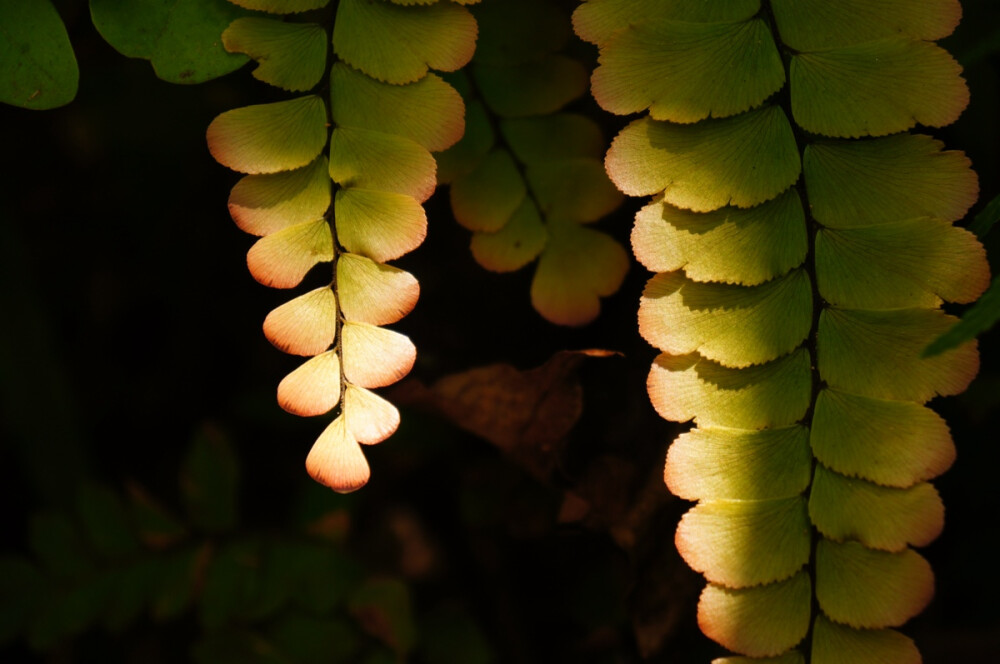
860, 183
878, 354
734, 325
306, 325
686, 72
267, 138
876, 88
893, 443
879, 517
336, 459
373, 160
705, 166
461, 158
263, 204
374, 356
374, 293
398, 44
914, 263
743, 543
739, 464
763, 621
808, 25
379, 224
730, 245
871, 589
836, 644
690, 387
370, 418
282, 259
429, 111
313, 388
290, 55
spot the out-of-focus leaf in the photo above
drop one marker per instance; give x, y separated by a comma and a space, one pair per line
181, 573
181, 38
984, 221
236, 647
156, 527
316, 576
979, 318
21, 588
209, 481
384, 610
449, 635
56, 542
105, 522
232, 581
330, 577
37, 67
524, 413
134, 590
309, 640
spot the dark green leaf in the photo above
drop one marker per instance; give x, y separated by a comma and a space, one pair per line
308, 640
984, 221
181, 573
236, 648
384, 610
449, 635
105, 522
37, 67
232, 582
330, 577
135, 588
21, 588
157, 528
56, 542
182, 39
209, 481
978, 319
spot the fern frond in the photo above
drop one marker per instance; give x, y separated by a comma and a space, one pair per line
349, 197
801, 276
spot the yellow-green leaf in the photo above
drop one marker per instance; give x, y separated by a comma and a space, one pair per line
690, 387
289, 55
267, 138
742, 161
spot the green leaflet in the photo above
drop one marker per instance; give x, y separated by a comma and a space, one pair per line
685, 72
290, 55
180, 38
37, 66
734, 325
732, 245
699, 167
762, 621
800, 279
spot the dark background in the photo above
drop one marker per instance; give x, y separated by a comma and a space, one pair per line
128, 322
